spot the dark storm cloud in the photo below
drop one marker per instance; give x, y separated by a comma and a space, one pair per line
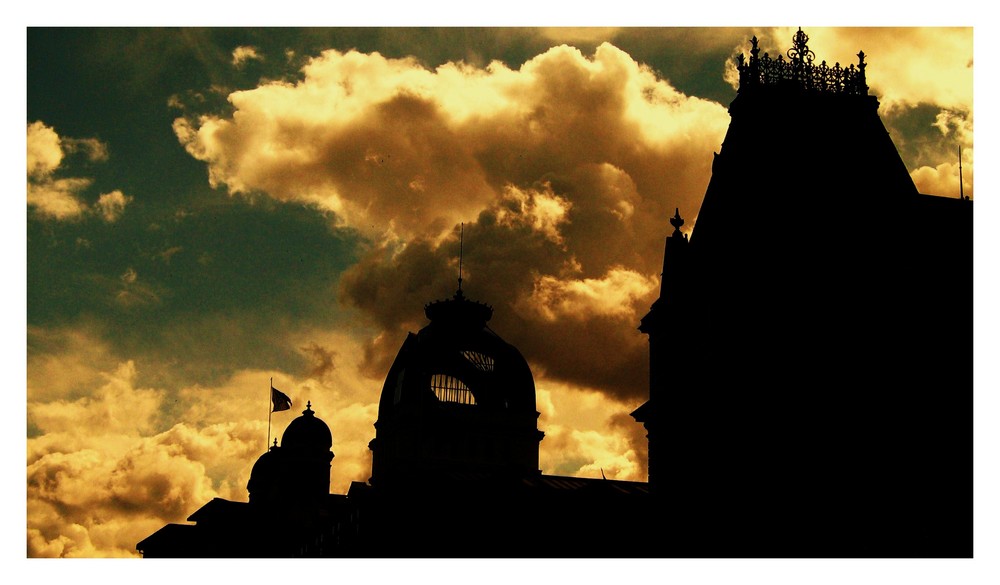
322, 360
564, 323
565, 169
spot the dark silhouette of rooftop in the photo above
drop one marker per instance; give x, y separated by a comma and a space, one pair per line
810, 380
811, 349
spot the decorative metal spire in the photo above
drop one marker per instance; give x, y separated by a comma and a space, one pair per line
458, 307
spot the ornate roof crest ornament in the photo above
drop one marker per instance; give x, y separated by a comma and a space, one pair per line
800, 52
800, 71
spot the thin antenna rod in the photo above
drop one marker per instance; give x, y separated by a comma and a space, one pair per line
461, 254
961, 182
270, 409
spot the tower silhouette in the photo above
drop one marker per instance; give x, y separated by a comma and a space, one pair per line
811, 349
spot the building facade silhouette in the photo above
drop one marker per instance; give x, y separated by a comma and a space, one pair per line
810, 379
811, 349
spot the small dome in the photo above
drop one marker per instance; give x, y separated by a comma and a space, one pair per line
265, 473
307, 433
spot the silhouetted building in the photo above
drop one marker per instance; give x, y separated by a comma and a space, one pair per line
811, 349
291, 512
454, 471
455, 457
810, 380
458, 398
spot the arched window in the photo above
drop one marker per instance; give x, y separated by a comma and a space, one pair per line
451, 389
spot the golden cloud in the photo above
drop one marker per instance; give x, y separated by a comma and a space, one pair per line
44, 150
115, 407
92, 502
59, 198
620, 293
541, 210
243, 54
111, 205
943, 180
100, 477
64, 363
564, 171
392, 147
585, 434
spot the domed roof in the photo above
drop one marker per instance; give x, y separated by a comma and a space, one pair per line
307, 432
459, 311
457, 358
265, 471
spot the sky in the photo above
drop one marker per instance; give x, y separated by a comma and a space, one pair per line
211, 208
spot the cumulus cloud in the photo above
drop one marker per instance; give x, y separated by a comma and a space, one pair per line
956, 124
55, 198
943, 180
564, 171
615, 295
60, 198
955, 130
243, 54
111, 205
97, 499
116, 407
98, 477
587, 434
64, 363
390, 145
112, 461
542, 210
44, 150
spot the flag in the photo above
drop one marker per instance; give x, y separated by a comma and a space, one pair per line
279, 401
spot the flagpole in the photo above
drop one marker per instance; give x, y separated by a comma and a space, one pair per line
269, 409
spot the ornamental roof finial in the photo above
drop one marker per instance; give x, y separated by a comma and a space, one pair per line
677, 222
